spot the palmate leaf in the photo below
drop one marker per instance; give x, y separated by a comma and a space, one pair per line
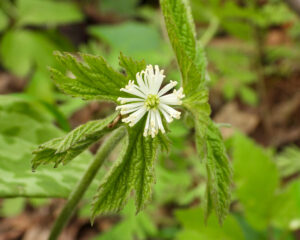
91, 78
64, 149
132, 171
181, 31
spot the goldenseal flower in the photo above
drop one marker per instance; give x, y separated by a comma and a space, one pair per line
148, 99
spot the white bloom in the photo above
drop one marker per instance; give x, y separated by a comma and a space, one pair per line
148, 99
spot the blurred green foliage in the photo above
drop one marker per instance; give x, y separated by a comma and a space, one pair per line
265, 205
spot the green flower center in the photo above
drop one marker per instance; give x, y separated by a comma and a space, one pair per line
152, 101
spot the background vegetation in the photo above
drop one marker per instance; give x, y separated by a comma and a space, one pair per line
252, 48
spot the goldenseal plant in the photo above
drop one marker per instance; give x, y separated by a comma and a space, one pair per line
145, 106
150, 100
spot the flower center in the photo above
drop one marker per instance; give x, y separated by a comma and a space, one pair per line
152, 101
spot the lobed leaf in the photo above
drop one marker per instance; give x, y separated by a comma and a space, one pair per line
64, 149
91, 78
132, 171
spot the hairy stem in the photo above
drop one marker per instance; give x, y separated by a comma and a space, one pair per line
85, 181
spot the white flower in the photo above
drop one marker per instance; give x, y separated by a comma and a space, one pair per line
148, 99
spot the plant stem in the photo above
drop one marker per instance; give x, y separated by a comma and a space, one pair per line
210, 32
85, 181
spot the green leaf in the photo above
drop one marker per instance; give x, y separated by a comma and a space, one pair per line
91, 79
288, 161
135, 39
18, 180
3, 21
211, 149
38, 12
256, 179
29, 129
132, 171
64, 149
128, 37
19, 136
286, 207
119, 7
36, 50
22, 128
131, 226
218, 174
194, 227
181, 31
131, 66
12, 207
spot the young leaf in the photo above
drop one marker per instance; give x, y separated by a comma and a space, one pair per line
91, 79
64, 149
181, 31
132, 171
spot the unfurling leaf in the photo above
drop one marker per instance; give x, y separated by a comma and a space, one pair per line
132, 171
64, 149
91, 78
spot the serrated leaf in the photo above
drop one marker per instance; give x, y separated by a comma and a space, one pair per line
198, 105
219, 174
64, 149
91, 79
131, 66
132, 171
181, 31
38, 12
211, 150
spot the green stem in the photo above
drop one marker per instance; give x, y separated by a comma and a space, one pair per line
210, 32
85, 181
